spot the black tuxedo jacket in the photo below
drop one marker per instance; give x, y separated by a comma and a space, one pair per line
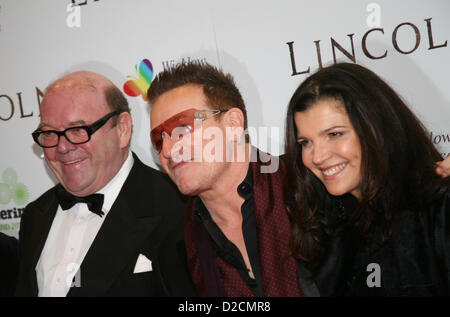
146, 218
9, 264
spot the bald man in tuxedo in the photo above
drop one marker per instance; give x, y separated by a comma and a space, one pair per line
112, 226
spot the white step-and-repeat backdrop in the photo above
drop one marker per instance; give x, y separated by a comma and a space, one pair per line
269, 46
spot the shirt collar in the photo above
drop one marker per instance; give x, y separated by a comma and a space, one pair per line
244, 189
112, 189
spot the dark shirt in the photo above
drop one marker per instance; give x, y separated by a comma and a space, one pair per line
413, 261
225, 248
9, 264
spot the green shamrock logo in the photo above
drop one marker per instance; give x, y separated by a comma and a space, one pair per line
12, 189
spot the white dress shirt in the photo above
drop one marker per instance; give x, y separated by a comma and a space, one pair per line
70, 237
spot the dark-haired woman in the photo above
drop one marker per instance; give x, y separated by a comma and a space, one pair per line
370, 215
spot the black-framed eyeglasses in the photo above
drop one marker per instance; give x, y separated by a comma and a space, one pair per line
75, 135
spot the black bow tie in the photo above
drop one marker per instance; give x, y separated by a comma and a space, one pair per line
67, 200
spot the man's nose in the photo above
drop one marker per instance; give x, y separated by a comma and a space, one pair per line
166, 148
64, 145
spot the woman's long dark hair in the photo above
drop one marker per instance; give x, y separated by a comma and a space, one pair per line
397, 158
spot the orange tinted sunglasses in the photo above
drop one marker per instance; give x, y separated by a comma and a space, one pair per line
184, 121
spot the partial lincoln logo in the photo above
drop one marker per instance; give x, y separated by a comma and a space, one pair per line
407, 29
10, 104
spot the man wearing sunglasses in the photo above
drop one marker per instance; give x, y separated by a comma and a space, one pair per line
111, 227
237, 228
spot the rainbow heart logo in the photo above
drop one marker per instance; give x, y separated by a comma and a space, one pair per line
139, 85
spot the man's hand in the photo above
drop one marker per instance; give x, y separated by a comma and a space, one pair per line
443, 167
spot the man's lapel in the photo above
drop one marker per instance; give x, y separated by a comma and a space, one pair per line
118, 241
39, 233
42, 226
